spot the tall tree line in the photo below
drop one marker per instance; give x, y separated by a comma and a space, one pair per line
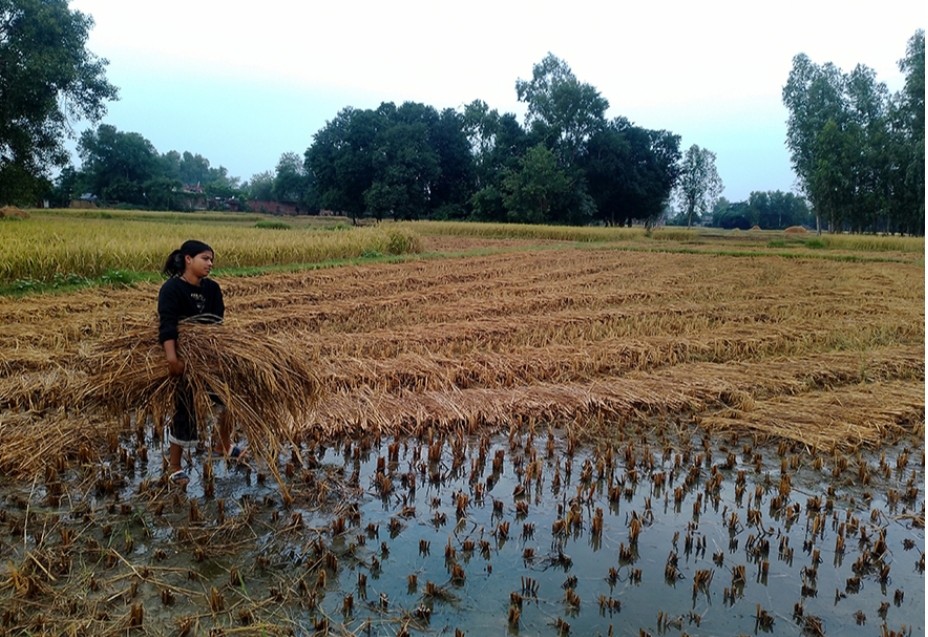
859, 151
569, 164
124, 168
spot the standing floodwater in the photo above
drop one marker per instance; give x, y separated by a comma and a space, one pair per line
528, 534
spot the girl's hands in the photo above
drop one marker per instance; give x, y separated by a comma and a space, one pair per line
176, 366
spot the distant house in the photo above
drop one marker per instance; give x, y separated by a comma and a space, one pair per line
86, 200
273, 207
193, 197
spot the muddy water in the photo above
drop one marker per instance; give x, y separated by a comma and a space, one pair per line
499, 535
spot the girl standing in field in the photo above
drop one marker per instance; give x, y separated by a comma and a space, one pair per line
189, 294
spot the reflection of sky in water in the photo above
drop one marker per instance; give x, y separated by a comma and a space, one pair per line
408, 533
480, 604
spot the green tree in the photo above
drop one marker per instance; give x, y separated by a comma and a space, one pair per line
48, 79
813, 97
68, 185
563, 111
163, 193
117, 164
868, 132
699, 184
456, 177
221, 186
849, 146
261, 186
170, 165
535, 193
730, 215
405, 164
630, 171
194, 170
291, 182
340, 160
479, 125
498, 144
774, 210
907, 209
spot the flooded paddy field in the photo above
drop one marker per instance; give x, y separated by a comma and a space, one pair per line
575, 440
529, 533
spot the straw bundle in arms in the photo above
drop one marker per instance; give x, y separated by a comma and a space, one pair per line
264, 383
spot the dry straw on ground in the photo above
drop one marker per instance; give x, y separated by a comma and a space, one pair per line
826, 353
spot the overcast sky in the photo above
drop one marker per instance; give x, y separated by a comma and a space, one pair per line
243, 83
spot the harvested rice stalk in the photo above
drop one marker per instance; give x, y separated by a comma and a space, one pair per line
265, 383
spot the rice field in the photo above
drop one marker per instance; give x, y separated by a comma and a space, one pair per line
64, 245
510, 434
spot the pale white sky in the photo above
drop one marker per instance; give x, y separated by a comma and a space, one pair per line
242, 83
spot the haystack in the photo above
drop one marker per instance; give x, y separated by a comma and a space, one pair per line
265, 385
795, 230
12, 212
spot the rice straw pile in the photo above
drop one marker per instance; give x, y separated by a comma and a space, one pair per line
264, 383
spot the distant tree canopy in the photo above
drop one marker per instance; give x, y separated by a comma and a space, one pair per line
125, 169
47, 79
567, 165
858, 151
771, 210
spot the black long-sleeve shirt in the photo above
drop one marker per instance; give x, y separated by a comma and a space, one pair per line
179, 300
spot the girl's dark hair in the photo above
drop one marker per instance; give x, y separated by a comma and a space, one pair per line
175, 264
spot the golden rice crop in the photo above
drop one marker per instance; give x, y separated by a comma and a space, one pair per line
872, 243
43, 247
527, 231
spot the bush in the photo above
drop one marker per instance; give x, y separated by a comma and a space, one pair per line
117, 278
272, 225
402, 242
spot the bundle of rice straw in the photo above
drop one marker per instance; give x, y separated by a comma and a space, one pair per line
265, 385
